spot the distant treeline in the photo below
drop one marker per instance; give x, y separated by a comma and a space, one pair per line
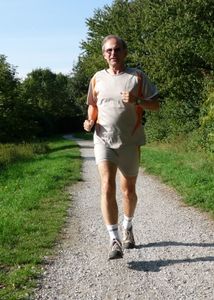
39, 106
171, 40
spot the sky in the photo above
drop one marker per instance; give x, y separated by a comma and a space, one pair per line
44, 33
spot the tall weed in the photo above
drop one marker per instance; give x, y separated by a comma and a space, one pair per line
10, 153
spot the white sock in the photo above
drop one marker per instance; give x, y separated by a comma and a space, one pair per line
113, 231
127, 222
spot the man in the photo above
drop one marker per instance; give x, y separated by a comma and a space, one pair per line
112, 97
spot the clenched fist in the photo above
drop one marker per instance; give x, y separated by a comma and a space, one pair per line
128, 97
88, 124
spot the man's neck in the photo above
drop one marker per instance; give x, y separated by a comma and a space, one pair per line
116, 70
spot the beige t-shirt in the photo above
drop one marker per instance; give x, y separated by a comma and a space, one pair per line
116, 122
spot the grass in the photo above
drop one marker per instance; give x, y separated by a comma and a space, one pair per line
190, 173
33, 209
10, 153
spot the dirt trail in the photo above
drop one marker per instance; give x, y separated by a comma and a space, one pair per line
174, 257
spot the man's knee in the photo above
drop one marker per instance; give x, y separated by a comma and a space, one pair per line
129, 191
108, 185
130, 195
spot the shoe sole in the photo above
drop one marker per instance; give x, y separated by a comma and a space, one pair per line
115, 255
128, 246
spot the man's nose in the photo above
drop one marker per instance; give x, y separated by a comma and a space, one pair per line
113, 52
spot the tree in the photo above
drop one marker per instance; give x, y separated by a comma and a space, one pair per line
178, 40
50, 98
13, 110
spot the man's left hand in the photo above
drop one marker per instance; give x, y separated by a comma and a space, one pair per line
128, 97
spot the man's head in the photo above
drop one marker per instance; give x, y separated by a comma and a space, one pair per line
112, 36
114, 50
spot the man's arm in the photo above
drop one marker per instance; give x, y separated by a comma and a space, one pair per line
152, 104
92, 117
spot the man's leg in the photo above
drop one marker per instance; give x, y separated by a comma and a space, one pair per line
109, 208
128, 188
107, 171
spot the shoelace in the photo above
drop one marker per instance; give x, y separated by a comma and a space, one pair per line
128, 235
116, 245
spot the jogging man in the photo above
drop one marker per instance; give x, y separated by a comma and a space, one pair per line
112, 107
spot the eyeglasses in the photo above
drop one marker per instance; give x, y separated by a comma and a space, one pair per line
116, 50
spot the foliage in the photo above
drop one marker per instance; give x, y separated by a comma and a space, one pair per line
49, 96
47, 92
78, 85
12, 108
177, 37
207, 118
41, 105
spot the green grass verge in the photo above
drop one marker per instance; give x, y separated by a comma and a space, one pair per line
33, 209
190, 173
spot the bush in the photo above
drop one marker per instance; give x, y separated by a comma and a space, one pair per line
207, 119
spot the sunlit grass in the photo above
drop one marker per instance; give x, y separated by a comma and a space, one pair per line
33, 208
190, 173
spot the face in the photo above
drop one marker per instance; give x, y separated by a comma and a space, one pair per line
114, 53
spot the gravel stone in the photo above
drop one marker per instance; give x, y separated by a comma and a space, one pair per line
174, 257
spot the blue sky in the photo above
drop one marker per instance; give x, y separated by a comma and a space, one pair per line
44, 33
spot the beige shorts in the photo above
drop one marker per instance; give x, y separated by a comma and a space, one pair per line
126, 158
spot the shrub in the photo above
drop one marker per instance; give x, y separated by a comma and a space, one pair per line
207, 119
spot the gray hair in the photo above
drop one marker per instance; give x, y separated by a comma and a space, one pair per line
112, 36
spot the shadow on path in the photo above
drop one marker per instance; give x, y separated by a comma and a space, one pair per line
156, 265
86, 147
176, 244
63, 147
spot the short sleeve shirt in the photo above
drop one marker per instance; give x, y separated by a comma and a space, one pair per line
116, 123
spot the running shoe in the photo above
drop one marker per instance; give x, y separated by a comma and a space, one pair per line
128, 239
116, 250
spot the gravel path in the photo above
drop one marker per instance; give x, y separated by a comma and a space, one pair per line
174, 258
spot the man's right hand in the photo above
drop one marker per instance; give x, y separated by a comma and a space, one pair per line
88, 124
